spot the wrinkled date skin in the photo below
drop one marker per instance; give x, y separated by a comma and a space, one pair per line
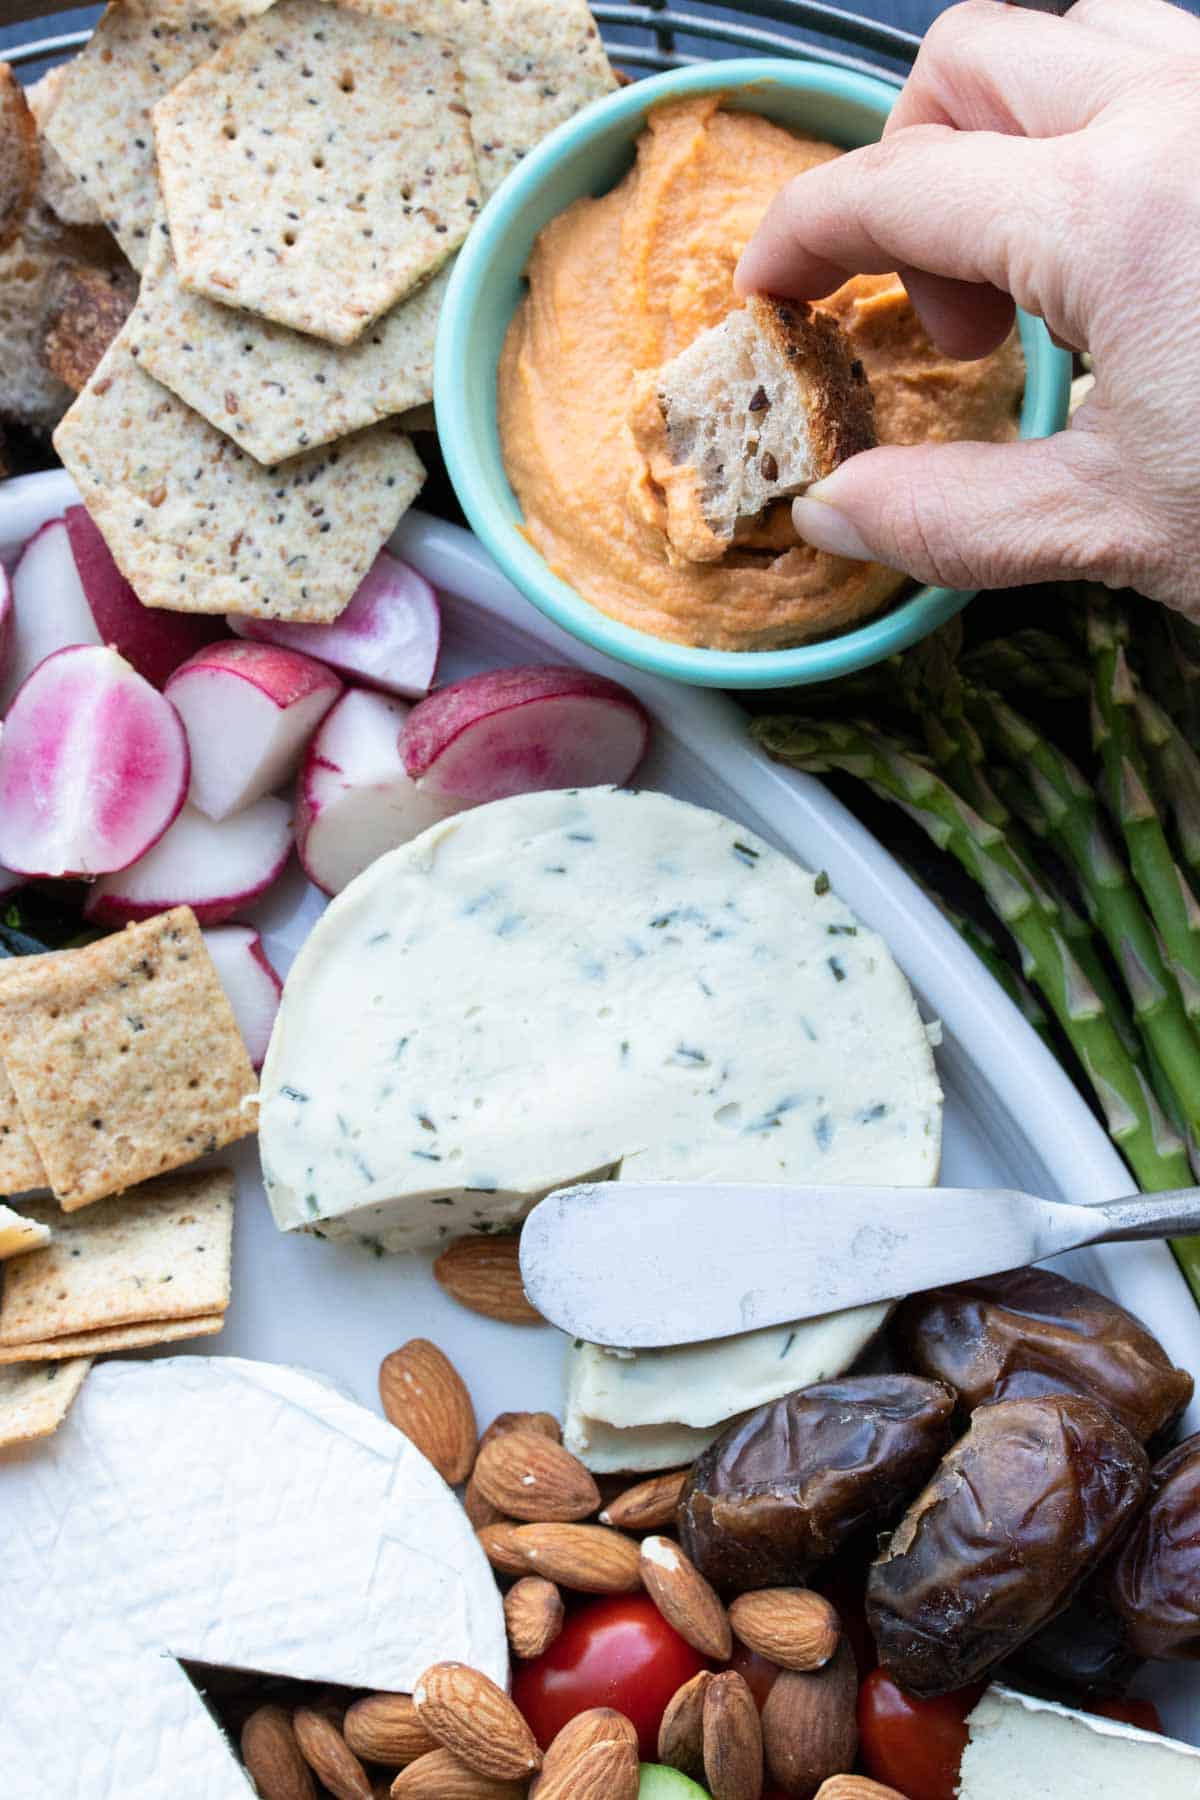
1010, 1336
1154, 1583
1015, 1518
792, 1482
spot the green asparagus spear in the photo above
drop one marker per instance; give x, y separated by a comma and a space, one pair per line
1177, 773
1029, 662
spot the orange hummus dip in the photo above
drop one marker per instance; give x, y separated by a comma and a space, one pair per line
622, 284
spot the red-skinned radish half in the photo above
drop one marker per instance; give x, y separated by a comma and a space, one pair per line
216, 869
387, 638
249, 710
10, 881
154, 641
355, 800
524, 730
93, 766
251, 985
49, 607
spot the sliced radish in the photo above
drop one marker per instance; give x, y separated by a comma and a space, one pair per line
155, 642
213, 868
6, 619
50, 609
9, 881
251, 984
355, 799
518, 731
93, 766
249, 710
388, 637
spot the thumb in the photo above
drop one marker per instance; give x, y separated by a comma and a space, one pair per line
969, 515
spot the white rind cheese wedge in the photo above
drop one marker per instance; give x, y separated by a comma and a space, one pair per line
18, 1234
1042, 1751
218, 1511
557, 985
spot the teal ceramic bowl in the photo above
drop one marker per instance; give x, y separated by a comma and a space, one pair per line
588, 155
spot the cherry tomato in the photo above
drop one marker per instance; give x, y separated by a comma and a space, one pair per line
1142, 1713
910, 1744
758, 1672
617, 1652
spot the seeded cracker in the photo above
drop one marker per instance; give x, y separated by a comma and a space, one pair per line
20, 1165
115, 1337
125, 1058
163, 1251
317, 168
274, 391
196, 525
34, 1399
100, 123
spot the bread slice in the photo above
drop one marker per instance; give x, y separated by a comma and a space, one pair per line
85, 309
19, 156
754, 410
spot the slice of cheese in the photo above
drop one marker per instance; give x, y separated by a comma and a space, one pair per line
566, 983
1042, 1751
226, 1512
18, 1234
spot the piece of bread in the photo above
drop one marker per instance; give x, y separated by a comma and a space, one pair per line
754, 410
19, 156
86, 307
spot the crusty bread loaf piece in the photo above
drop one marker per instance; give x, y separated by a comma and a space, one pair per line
752, 411
85, 309
19, 156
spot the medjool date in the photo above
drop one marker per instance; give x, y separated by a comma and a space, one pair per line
1031, 1330
1154, 1584
1016, 1516
1082, 1651
792, 1482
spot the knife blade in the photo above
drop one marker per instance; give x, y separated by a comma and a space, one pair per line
635, 1265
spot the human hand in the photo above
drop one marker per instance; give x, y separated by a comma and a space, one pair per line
1050, 161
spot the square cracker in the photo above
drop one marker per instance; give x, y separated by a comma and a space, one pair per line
20, 1165
162, 1252
100, 122
318, 167
115, 1337
34, 1399
274, 391
196, 525
126, 1058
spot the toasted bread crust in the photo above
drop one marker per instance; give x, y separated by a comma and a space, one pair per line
841, 405
87, 309
20, 156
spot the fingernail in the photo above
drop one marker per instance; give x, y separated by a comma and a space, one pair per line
821, 524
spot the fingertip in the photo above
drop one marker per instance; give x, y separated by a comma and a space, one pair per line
820, 524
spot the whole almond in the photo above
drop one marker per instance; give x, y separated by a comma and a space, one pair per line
529, 1476
604, 1771
384, 1728
791, 1626
588, 1559
533, 1613
855, 1787
648, 1506
484, 1274
329, 1756
809, 1725
467, 1713
681, 1734
599, 1725
425, 1397
542, 1422
500, 1546
442, 1776
733, 1741
481, 1512
273, 1757
685, 1599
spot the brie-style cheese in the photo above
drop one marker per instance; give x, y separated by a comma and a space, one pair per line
1035, 1748
562, 984
216, 1511
19, 1234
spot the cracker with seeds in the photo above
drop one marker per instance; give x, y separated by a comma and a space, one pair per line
65, 195
20, 1165
100, 122
35, 1399
125, 1058
19, 1234
274, 391
317, 168
113, 1337
196, 525
163, 1251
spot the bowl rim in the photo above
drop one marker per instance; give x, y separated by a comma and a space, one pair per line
1044, 408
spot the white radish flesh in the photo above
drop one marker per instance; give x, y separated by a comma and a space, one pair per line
249, 710
154, 641
93, 766
388, 637
213, 868
50, 609
251, 985
520, 731
6, 619
355, 799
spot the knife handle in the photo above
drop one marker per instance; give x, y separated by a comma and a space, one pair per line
1173, 1214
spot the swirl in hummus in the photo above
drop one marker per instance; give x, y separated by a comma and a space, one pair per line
621, 284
